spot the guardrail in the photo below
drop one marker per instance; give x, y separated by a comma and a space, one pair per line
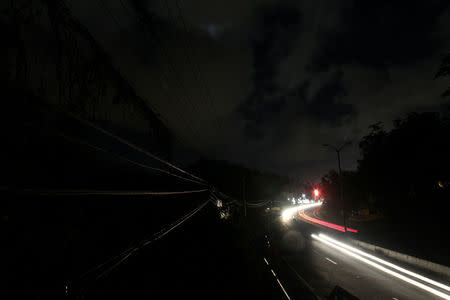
441, 269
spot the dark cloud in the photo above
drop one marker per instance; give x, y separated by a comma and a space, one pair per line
284, 76
381, 34
272, 41
327, 104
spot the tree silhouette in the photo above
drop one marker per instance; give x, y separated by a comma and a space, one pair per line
444, 70
399, 168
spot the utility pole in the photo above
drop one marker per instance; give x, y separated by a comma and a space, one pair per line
243, 196
341, 188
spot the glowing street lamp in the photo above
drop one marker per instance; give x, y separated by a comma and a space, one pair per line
316, 194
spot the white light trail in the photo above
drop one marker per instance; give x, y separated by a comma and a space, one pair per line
381, 268
290, 212
331, 260
418, 276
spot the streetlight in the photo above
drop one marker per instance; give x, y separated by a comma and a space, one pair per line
316, 194
338, 152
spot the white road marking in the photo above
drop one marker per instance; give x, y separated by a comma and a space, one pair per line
287, 296
281, 286
381, 268
300, 278
331, 260
395, 298
391, 265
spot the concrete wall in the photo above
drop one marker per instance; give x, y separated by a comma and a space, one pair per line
441, 269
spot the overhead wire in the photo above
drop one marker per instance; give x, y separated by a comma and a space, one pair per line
121, 257
262, 203
134, 146
131, 145
167, 229
224, 203
152, 34
187, 56
97, 148
87, 192
233, 200
127, 253
125, 141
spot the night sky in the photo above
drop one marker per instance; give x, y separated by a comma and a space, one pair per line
266, 83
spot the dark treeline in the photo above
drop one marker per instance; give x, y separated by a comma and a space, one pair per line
400, 170
234, 179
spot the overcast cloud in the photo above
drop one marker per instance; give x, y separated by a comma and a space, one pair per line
266, 83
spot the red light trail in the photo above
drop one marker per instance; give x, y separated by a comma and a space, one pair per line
326, 224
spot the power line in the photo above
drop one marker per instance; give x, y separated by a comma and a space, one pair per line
131, 145
180, 115
128, 252
214, 196
74, 140
233, 200
82, 192
128, 143
259, 204
174, 225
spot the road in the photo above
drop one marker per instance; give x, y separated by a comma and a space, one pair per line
323, 267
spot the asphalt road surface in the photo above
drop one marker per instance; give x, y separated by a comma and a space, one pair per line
322, 268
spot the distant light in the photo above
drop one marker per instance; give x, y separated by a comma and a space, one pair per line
224, 214
289, 213
316, 192
303, 196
